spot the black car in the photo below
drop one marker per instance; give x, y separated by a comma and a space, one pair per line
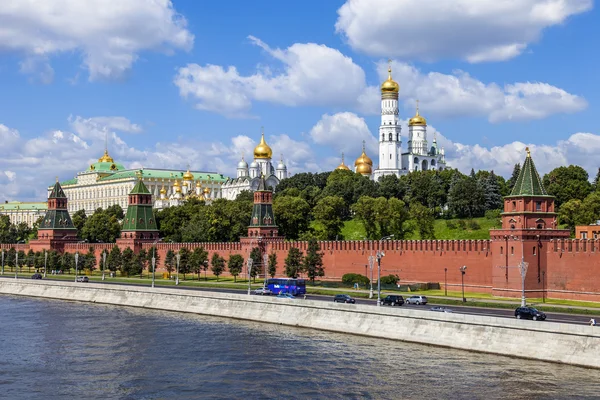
36, 276
529, 313
343, 298
393, 300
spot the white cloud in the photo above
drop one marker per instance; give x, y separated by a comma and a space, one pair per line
38, 68
110, 35
345, 132
311, 74
460, 94
476, 31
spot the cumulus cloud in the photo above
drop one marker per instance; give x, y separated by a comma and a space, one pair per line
459, 94
110, 35
345, 132
475, 31
310, 74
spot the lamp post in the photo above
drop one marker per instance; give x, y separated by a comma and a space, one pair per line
103, 263
17, 263
380, 254
76, 265
463, 269
154, 261
371, 265
446, 282
2, 261
250, 262
266, 263
523, 270
45, 262
543, 286
177, 276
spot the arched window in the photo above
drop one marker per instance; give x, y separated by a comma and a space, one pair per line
512, 251
501, 250
534, 250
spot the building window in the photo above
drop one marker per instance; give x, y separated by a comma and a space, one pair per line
514, 204
534, 247
584, 235
512, 251
538, 206
501, 250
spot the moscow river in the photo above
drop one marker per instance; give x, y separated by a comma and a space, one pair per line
63, 350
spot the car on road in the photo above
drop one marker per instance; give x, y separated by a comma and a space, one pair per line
343, 298
393, 300
529, 313
440, 309
285, 296
82, 279
418, 300
36, 276
263, 291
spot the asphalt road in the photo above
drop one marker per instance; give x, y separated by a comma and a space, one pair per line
457, 309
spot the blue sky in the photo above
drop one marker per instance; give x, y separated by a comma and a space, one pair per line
181, 82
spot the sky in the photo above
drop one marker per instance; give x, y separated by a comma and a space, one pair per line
172, 83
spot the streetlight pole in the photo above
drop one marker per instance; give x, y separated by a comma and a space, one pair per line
523, 270
76, 265
266, 263
177, 276
45, 262
17, 263
250, 262
380, 254
371, 264
463, 269
446, 282
154, 261
543, 286
2, 261
103, 263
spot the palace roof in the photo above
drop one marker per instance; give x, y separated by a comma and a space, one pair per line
24, 206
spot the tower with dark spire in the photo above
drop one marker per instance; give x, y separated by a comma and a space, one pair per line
262, 222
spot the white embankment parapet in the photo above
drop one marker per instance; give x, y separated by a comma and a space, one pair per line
548, 341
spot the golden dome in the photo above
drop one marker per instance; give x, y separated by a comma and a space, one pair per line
163, 190
106, 158
364, 158
263, 150
176, 184
206, 190
364, 169
417, 119
342, 165
177, 189
188, 176
198, 184
390, 85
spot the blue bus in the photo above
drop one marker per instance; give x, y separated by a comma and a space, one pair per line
287, 285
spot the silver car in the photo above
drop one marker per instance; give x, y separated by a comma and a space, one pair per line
263, 291
418, 300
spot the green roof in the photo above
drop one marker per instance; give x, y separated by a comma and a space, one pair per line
164, 174
69, 182
106, 167
21, 206
528, 183
139, 188
57, 192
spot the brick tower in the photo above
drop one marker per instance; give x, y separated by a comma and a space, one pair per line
57, 228
528, 224
262, 223
139, 225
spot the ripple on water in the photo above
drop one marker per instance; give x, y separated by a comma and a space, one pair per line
55, 349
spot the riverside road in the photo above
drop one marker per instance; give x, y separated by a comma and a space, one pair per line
576, 319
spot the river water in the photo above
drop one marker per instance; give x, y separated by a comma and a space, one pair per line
53, 349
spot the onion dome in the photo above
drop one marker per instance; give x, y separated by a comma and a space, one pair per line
163, 190
281, 165
177, 187
188, 176
253, 164
417, 120
106, 158
390, 85
198, 184
364, 169
342, 165
206, 190
242, 164
364, 158
263, 150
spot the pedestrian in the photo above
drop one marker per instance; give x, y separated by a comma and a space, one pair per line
592, 322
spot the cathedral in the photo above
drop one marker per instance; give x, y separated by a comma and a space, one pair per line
249, 177
419, 156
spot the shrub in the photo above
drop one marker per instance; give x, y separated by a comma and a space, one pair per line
493, 214
450, 224
351, 279
462, 224
390, 279
473, 225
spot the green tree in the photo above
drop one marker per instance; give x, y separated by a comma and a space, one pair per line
152, 252
513, 179
90, 259
313, 261
256, 256
465, 197
114, 259
492, 196
79, 218
329, 213
184, 261
364, 212
170, 261
53, 260
571, 214
101, 227
10, 257
218, 265
596, 184
127, 262
30, 259
423, 219
142, 260
567, 183
235, 265
272, 265
293, 216
293, 263
392, 186
6, 236
398, 219
199, 261
115, 211
67, 261
36, 226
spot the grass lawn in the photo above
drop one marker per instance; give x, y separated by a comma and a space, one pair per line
353, 230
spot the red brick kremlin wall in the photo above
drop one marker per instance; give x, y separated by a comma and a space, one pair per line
568, 269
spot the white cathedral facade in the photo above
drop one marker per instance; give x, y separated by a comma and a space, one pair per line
248, 176
419, 156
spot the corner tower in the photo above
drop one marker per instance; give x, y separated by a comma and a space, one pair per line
262, 222
390, 142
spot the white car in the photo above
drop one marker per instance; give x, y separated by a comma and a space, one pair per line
263, 291
418, 300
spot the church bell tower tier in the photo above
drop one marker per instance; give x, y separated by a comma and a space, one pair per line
262, 223
390, 142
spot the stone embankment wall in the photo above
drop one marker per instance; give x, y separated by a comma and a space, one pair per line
547, 341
